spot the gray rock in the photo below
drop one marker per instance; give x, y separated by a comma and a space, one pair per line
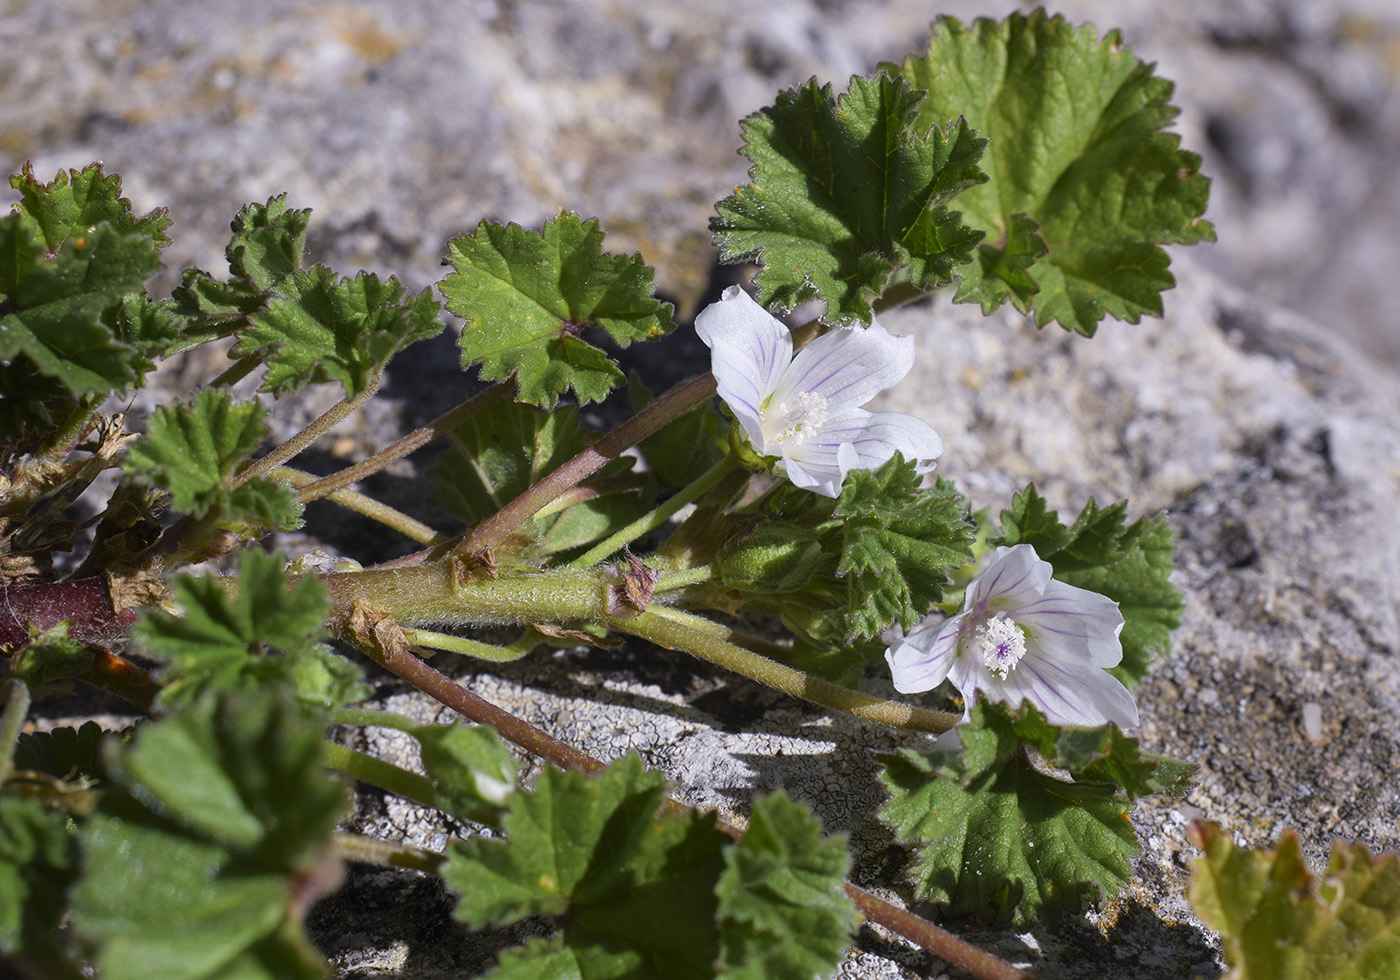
1271, 444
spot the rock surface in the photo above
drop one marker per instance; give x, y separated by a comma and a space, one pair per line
1272, 444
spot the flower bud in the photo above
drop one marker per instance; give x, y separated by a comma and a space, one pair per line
769, 557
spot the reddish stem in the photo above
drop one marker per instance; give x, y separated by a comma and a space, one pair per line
921, 932
445, 690
84, 602
491, 532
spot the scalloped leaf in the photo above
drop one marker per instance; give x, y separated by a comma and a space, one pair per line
528, 296
319, 328
635, 890
220, 640
899, 545
846, 191
75, 202
784, 912
227, 815
192, 449
52, 304
267, 247
1279, 922
1086, 186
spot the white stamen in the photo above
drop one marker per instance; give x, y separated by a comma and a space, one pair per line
1003, 644
794, 422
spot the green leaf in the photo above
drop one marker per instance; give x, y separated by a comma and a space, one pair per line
500, 452
68, 754
192, 449
52, 306
269, 242
75, 202
998, 839
474, 775
527, 297
268, 246
223, 637
203, 868
784, 913
38, 860
1131, 565
1106, 755
636, 891
317, 328
846, 191
1085, 185
899, 544
1277, 921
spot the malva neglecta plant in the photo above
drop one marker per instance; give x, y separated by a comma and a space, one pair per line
1024, 161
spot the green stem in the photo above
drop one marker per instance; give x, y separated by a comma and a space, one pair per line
398, 450
374, 719
70, 430
683, 579
678, 630
426, 593
491, 533
384, 854
697, 488
368, 506
472, 648
16, 702
900, 294
236, 371
332, 417
377, 772
592, 491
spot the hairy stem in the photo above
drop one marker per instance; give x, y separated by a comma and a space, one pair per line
398, 450
333, 416
15, 695
427, 594
384, 854
492, 532
678, 630
697, 488
922, 933
377, 772
470, 648
84, 602
444, 690
941, 943
236, 371
368, 506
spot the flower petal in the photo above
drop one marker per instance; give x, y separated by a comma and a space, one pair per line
1067, 693
1017, 577
848, 367
861, 440
1074, 625
920, 662
749, 351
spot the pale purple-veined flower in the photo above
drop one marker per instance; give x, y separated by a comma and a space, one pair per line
806, 409
1022, 635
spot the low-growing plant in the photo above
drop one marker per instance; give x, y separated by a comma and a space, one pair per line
1025, 161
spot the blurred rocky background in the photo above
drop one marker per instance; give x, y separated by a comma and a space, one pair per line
1262, 412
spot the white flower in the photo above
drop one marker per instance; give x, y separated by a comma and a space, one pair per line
1023, 635
806, 409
